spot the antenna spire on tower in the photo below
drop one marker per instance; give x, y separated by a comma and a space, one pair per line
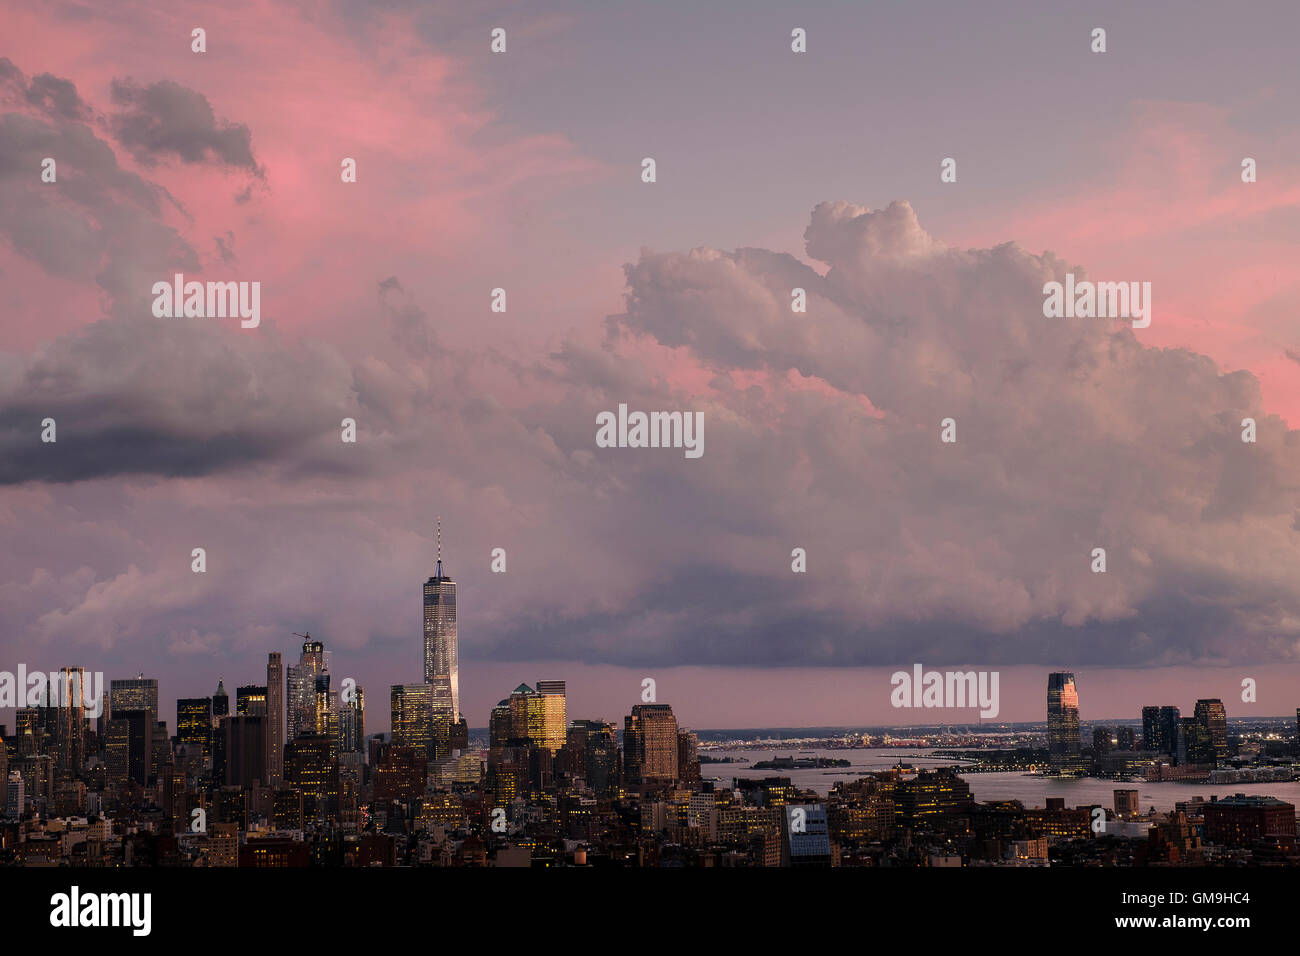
439, 536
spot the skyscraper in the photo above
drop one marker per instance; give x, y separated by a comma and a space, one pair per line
326, 717
554, 716
412, 717
129, 748
1160, 729
688, 756
527, 719
274, 720
650, 745
1170, 722
1212, 720
1062, 714
598, 741
245, 756
220, 701
499, 725
135, 693
194, 722
442, 715
70, 717
311, 765
1151, 728
300, 688
250, 700
440, 642
352, 723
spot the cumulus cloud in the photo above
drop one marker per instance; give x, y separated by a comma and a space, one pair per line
822, 432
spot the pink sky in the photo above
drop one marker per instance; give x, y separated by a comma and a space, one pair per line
522, 171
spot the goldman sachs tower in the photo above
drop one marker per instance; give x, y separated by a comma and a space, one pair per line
440, 667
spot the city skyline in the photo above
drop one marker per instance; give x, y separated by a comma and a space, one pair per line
823, 435
440, 654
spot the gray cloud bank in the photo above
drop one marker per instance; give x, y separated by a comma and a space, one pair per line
822, 432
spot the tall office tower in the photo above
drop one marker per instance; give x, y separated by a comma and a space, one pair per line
300, 688
598, 740
28, 731
1212, 719
194, 723
554, 714
161, 753
1062, 714
133, 693
688, 757
1170, 722
442, 716
1101, 740
250, 700
274, 720
460, 735
129, 749
440, 647
326, 714
412, 720
527, 716
311, 765
173, 798
1186, 741
67, 694
1151, 728
352, 723
220, 702
15, 798
218, 776
499, 725
1125, 739
245, 753
650, 745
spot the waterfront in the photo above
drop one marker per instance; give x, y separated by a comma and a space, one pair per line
1032, 791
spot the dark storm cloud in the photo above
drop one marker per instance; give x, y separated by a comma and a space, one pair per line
101, 224
165, 119
168, 397
46, 92
821, 432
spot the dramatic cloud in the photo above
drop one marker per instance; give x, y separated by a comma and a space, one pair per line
100, 224
822, 431
165, 398
165, 119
